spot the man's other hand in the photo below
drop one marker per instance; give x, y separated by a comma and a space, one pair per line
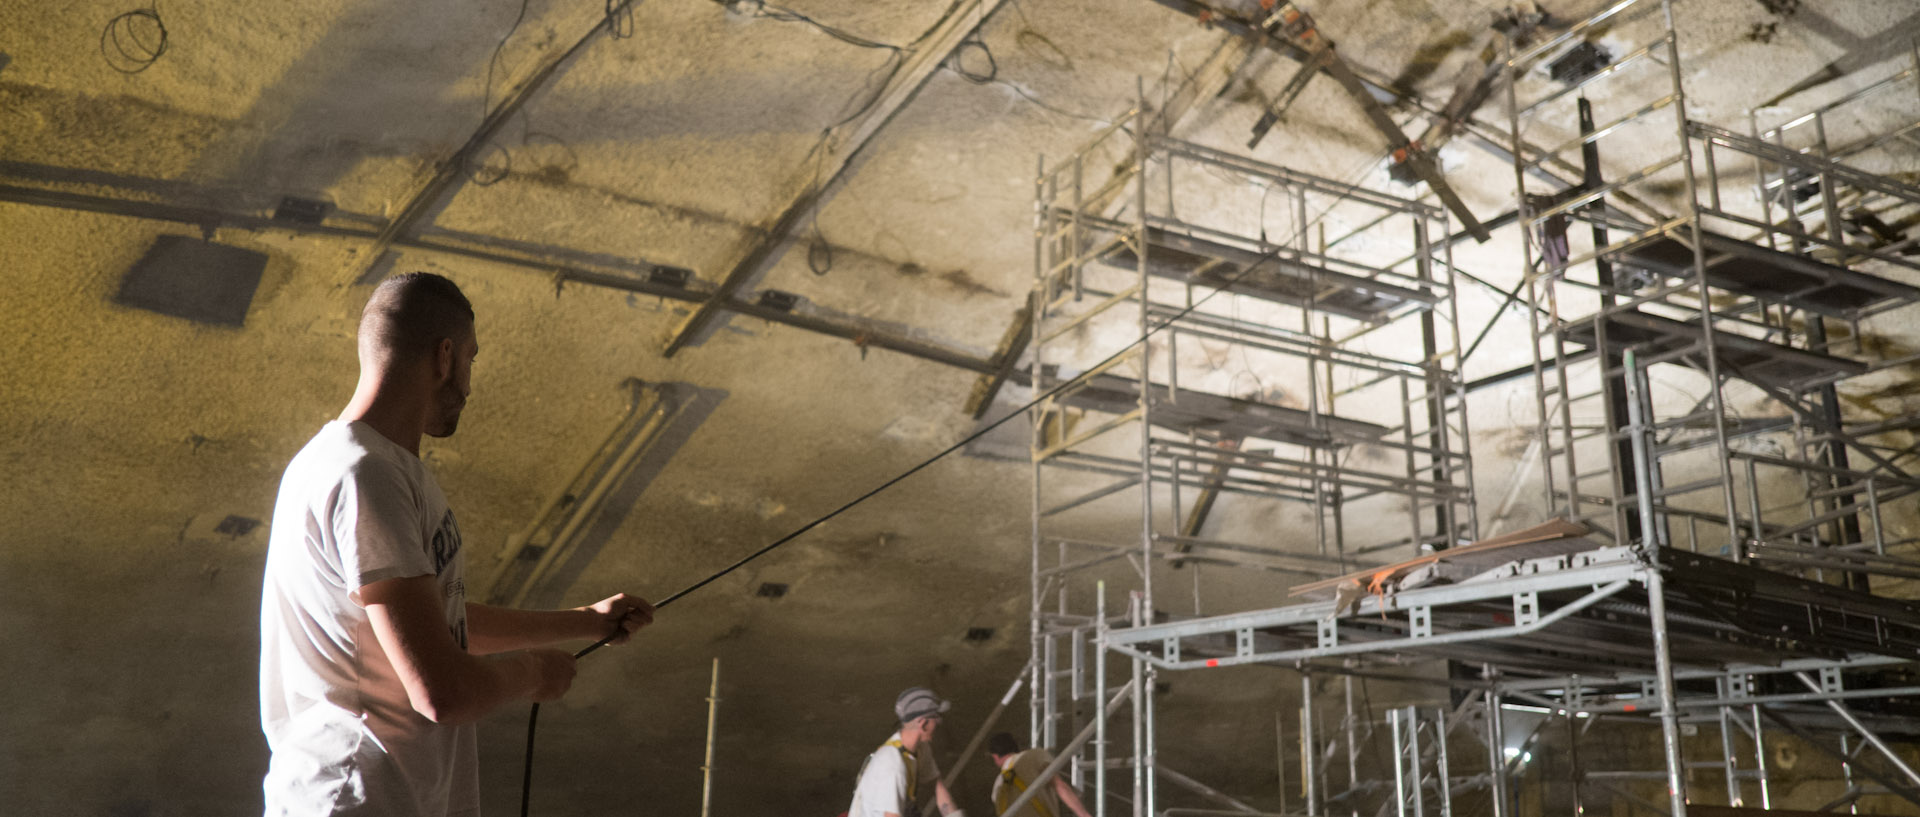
629, 613
553, 673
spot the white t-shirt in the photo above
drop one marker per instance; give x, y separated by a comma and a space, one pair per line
355, 508
883, 788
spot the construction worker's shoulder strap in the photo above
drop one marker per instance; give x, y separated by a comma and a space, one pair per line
912, 765
1020, 786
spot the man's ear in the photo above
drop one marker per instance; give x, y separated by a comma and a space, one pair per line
443, 359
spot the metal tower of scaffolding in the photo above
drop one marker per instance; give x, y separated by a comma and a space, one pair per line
1760, 297
1720, 535
1687, 369
1138, 301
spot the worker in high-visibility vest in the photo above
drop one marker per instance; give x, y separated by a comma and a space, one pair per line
1017, 772
892, 776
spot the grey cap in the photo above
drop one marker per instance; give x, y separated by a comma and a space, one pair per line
918, 702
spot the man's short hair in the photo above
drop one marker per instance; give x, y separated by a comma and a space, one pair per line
1002, 744
410, 313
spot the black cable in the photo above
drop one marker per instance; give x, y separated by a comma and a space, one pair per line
619, 19
134, 55
486, 106
482, 175
526, 784
787, 15
819, 252
957, 62
486, 90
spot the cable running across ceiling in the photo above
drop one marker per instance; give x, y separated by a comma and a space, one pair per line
533, 717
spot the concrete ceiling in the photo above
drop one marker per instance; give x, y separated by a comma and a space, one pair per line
127, 437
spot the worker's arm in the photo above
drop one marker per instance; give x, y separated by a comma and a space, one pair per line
444, 683
1069, 797
503, 629
943, 798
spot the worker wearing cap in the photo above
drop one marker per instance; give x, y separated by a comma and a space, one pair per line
1018, 770
893, 775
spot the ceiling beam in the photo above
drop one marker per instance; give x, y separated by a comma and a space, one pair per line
627, 276
824, 176
450, 172
1298, 39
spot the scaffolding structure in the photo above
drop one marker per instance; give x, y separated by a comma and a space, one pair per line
1687, 370
1753, 286
1713, 564
1135, 304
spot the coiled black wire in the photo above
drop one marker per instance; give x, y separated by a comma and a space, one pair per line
123, 46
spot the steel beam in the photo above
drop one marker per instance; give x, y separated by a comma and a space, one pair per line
1364, 92
1005, 359
448, 173
825, 176
627, 276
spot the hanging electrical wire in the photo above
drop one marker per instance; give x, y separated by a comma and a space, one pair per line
619, 19
486, 89
974, 45
1146, 336
133, 41
758, 8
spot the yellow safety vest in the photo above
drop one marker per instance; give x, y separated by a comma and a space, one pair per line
913, 770
1018, 787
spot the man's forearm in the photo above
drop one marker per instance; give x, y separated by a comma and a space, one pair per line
503, 629
1069, 797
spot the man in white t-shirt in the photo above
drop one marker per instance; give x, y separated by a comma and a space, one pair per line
373, 665
891, 778
1018, 771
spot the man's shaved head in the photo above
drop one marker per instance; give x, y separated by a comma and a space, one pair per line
409, 315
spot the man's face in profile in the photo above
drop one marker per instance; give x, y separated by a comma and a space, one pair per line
451, 395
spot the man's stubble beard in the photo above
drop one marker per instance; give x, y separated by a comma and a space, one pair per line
451, 404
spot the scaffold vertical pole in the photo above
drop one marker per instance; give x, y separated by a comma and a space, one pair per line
706, 768
1134, 617
1039, 693
1760, 759
1309, 750
1496, 746
1399, 763
1446, 771
1730, 762
1656, 592
1100, 695
1351, 729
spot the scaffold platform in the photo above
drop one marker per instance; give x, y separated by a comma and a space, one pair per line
1282, 275
1187, 410
1583, 613
1751, 359
1769, 274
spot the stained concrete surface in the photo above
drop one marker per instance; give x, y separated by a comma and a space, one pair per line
128, 620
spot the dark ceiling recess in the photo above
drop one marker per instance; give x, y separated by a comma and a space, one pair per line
302, 211
676, 277
777, 300
771, 590
236, 526
1581, 61
193, 279
979, 633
